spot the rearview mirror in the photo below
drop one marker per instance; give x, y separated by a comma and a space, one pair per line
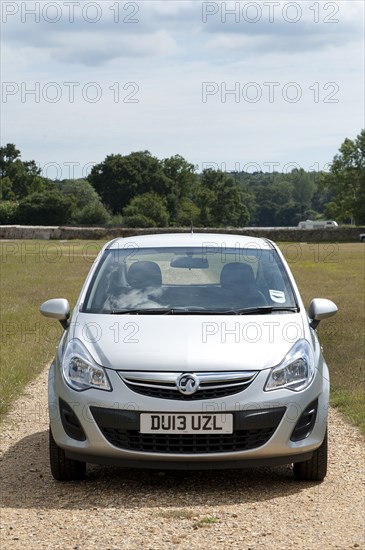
188, 262
58, 308
319, 309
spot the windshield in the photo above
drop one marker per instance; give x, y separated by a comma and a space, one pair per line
189, 279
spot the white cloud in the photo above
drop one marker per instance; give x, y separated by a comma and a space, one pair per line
98, 50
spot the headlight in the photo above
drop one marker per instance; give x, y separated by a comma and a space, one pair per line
80, 370
296, 371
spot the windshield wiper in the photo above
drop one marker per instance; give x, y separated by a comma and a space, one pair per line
261, 310
159, 311
143, 311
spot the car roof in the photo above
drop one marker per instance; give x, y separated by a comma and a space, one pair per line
190, 239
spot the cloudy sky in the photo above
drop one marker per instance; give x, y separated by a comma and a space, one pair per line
236, 85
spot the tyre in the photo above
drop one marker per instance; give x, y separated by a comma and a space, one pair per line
63, 468
314, 469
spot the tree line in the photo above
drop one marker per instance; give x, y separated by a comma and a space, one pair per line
140, 190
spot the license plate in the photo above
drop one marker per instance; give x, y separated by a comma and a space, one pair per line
190, 423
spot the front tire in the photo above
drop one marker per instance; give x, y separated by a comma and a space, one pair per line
63, 468
314, 469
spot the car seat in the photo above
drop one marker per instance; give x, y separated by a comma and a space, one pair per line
238, 281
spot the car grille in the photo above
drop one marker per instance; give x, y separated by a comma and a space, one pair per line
241, 440
163, 385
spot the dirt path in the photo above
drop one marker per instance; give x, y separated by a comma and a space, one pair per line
130, 509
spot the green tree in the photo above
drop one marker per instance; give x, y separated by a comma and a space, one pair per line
220, 200
18, 178
205, 198
189, 213
92, 214
120, 178
6, 188
333, 212
346, 179
303, 187
289, 214
272, 192
210, 180
182, 183
8, 212
80, 192
227, 208
265, 215
48, 207
87, 207
8, 154
146, 210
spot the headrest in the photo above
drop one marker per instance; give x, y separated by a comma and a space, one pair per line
144, 274
237, 274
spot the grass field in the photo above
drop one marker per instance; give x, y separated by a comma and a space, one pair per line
337, 272
33, 271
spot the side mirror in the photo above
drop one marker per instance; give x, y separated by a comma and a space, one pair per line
319, 309
58, 308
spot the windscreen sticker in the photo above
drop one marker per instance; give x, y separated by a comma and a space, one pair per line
277, 296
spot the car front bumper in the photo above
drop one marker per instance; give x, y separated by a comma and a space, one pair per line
264, 423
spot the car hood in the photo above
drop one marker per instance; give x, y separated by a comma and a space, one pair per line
188, 342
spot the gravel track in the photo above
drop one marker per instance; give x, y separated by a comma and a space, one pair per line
145, 509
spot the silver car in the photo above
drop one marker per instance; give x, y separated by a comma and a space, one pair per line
189, 351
